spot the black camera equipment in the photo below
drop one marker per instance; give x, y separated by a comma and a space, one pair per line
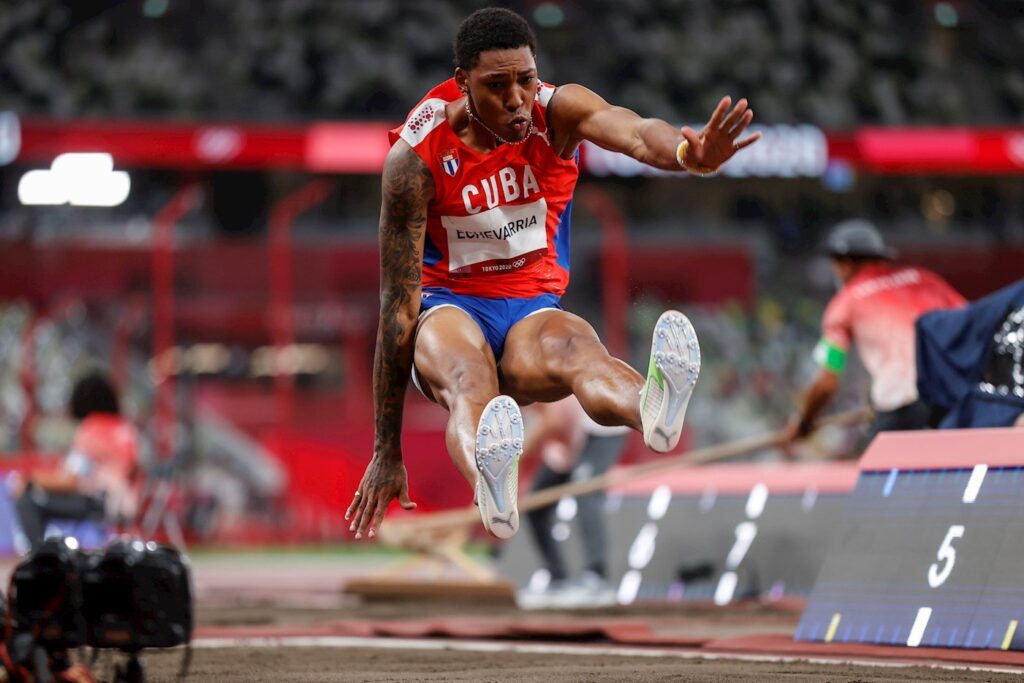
132, 595
46, 595
45, 605
137, 595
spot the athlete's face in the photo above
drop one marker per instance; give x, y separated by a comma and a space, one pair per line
502, 87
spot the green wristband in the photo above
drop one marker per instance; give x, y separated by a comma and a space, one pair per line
830, 356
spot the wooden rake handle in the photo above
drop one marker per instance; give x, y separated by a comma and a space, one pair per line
413, 532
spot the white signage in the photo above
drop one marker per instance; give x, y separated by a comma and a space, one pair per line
79, 179
782, 152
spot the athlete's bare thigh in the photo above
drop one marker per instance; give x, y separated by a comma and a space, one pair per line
533, 366
553, 353
452, 355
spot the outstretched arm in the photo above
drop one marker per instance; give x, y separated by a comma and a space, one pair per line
407, 188
580, 114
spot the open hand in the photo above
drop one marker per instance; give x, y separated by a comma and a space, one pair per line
384, 480
718, 141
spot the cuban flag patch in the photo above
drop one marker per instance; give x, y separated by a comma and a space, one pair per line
450, 161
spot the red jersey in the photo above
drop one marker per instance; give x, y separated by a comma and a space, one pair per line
109, 441
498, 225
104, 455
876, 311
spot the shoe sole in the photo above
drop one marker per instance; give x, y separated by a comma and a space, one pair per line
499, 443
671, 377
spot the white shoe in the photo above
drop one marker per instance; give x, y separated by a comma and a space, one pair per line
530, 599
499, 443
671, 376
586, 591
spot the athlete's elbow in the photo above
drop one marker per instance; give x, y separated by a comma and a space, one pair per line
400, 305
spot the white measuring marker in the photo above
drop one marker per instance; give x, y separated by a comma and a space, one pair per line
974, 483
920, 624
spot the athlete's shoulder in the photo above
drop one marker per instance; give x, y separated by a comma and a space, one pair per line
406, 173
427, 115
840, 305
570, 104
545, 91
575, 97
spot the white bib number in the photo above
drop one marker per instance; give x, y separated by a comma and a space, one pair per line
498, 240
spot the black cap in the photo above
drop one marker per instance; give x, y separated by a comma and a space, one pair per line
857, 238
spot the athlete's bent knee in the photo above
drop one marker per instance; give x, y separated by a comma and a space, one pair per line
471, 380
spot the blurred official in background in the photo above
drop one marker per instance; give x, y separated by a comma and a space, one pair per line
875, 308
572, 448
98, 480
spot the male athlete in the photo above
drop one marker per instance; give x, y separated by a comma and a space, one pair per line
474, 247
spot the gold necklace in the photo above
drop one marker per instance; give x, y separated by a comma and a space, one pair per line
501, 141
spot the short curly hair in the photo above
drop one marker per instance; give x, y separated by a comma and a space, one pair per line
491, 28
93, 393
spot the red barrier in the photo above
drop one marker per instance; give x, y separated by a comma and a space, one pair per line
945, 449
163, 313
361, 146
164, 144
706, 274
282, 287
614, 268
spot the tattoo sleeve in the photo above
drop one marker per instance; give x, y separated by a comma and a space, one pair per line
407, 188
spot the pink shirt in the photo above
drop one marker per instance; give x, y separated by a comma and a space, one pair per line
876, 311
104, 455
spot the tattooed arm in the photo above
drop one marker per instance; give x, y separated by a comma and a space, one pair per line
407, 188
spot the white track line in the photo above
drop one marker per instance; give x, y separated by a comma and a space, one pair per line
540, 648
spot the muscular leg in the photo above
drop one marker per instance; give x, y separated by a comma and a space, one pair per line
553, 353
456, 366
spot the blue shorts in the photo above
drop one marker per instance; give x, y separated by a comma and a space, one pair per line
494, 316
